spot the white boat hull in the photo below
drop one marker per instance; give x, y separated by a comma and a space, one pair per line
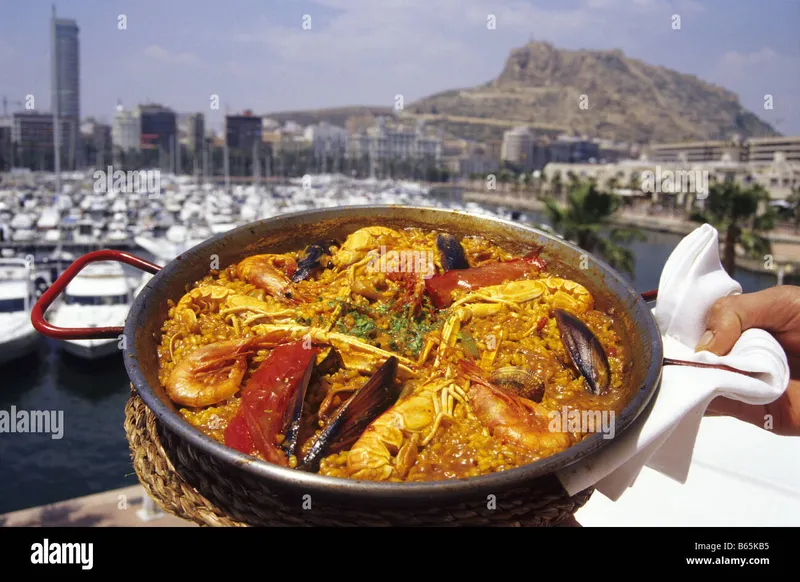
91, 349
19, 346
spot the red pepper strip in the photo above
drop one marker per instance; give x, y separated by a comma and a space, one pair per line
238, 437
441, 287
265, 399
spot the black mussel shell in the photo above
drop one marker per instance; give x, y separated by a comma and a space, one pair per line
328, 362
294, 412
354, 416
585, 351
453, 255
310, 261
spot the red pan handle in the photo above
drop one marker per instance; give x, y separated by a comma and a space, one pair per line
47, 298
650, 295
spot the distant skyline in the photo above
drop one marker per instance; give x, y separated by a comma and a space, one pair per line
255, 54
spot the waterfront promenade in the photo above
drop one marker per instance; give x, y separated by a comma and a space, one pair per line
124, 507
785, 245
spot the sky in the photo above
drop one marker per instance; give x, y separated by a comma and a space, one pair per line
279, 55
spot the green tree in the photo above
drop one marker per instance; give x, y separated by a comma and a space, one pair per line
737, 212
504, 176
539, 183
634, 182
585, 218
794, 200
525, 180
556, 184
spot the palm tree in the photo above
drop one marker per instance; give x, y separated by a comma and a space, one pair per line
734, 211
794, 200
634, 182
540, 183
585, 217
525, 181
573, 180
556, 184
504, 176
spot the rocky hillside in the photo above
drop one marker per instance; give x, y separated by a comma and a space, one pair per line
598, 93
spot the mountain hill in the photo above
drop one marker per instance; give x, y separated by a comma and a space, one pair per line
597, 93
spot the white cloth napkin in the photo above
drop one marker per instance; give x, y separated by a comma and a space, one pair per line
664, 439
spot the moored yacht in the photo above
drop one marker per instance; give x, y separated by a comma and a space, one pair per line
18, 336
100, 296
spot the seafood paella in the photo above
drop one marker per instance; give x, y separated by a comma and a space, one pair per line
394, 355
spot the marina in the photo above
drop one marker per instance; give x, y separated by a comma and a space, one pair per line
88, 382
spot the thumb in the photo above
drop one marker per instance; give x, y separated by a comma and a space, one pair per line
774, 310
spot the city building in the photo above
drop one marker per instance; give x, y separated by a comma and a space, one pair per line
610, 152
772, 162
291, 138
698, 151
96, 142
182, 125
574, 150
452, 151
126, 130
383, 141
777, 176
159, 129
527, 150
493, 149
243, 131
272, 137
269, 125
195, 130
326, 139
765, 149
517, 148
6, 153
32, 137
465, 159
65, 98
756, 149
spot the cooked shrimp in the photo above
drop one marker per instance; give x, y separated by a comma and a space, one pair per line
511, 418
209, 374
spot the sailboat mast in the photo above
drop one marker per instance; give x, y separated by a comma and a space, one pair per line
226, 162
256, 165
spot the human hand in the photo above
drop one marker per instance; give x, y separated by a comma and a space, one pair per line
777, 311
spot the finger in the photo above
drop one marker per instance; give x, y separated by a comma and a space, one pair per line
772, 310
722, 406
781, 417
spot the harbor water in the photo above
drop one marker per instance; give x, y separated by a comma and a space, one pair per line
92, 453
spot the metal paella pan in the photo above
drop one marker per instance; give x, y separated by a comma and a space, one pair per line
638, 332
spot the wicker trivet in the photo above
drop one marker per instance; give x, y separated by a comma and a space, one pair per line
187, 483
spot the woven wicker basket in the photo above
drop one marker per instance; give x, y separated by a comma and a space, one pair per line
189, 484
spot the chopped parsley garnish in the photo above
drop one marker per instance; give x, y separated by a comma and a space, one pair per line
409, 332
406, 333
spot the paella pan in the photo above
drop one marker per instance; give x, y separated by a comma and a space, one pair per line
383, 353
